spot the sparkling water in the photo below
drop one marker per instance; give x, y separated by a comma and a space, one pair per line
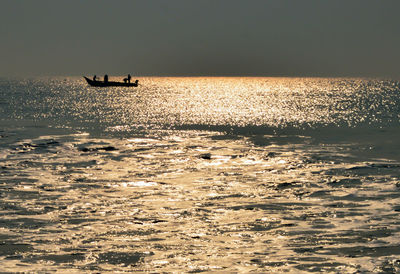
200, 174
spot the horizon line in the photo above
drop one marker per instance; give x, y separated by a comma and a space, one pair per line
208, 76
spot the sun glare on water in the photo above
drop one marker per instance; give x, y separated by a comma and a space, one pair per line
199, 174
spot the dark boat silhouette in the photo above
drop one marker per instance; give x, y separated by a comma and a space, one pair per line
110, 83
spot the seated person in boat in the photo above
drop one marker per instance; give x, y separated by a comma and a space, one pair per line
127, 79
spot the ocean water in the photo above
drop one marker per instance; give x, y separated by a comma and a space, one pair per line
200, 174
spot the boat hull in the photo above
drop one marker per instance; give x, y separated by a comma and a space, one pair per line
109, 83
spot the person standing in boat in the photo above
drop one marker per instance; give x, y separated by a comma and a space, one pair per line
106, 78
129, 78
94, 78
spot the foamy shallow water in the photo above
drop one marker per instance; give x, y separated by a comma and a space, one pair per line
158, 192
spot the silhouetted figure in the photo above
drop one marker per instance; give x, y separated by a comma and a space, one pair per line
106, 78
137, 82
95, 78
129, 78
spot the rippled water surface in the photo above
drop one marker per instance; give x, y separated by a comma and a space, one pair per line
200, 174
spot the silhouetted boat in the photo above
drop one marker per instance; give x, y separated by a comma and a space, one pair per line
110, 83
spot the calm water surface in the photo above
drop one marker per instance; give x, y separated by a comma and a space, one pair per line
200, 174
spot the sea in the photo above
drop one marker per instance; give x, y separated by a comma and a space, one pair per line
200, 174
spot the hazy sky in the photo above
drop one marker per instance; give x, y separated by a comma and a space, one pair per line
205, 37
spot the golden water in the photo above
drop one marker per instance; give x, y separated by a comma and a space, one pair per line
200, 174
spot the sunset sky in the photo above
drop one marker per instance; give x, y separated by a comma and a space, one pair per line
208, 37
